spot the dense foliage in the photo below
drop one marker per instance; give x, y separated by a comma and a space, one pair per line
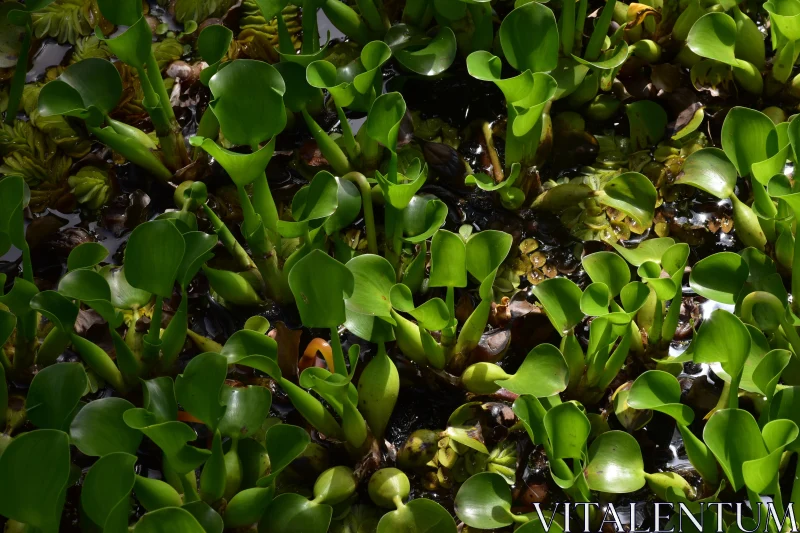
467, 257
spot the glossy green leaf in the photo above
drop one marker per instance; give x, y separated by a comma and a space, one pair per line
648, 250
484, 501
153, 256
133, 46
291, 512
105, 495
734, 437
434, 58
529, 37
660, 391
58, 309
608, 268
171, 437
383, 121
423, 217
168, 520
158, 397
719, 277
615, 464
714, 36
39, 463
378, 389
317, 201
748, 137
709, 170
198, 246
486, 251
284, 444
54, 395
206, 516
248, 101
86, 255
242, 168
544, 372
723, 338
633, 194
419, 516
87, 89
99, 428
319, 283
123, 295
567, 429
199, 388
246, 408
448, 260
561, 299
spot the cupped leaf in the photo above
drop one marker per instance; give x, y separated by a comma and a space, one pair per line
543, 373
568, 429
486, 251
633, 194
383, 121
212, 45
291, 512
168, 520
418, 516
133, 46
713, 36
723, 338
284, 444
484, 502
660, 391
320, 285
38, 465
246, 408
529, 37
719, 277
105, 494
86, 255
99, 428
448, 260
648, 250
709, 170
58, 309
199, 388
123, 294
242, 168
608, 268
87, 89
245, 342
423, 217
248, 101
733, 437
434, 58
153, 256
54, 395
171, 437
615, 464
748, 137
561, 299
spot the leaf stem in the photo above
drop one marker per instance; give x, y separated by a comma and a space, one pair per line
366, 202
339, 365
327, 146
20, 72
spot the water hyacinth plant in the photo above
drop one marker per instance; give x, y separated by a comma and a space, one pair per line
420, 266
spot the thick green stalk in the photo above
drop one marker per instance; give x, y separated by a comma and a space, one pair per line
18, 82
310, 34
228, 240
580, 22
600, 31
567, 26
366, 203
347, 20
285, 45
151, 345
414, 12
369, 11
172, 145
339, 365
133, 152
349, 139
264, 205
327, 146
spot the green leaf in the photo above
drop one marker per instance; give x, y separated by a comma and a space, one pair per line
734, 438
155, 494
649, 250
171, 437
105, 494
709, 170
432, 59
378, 389
58, 309
242, 168
247, 506
484, 501
544, 372
660, 391
486, 251
121, 12
529, 37
633, 194
12, 202
168, 520
299, 93
561, 299
54, 395
713, 36
784, 15
289, 513
648, 121
384, 118
86, 255
320, 285
448, 260
608, 268
719, 277
206, 516
786, 405
723, 338
418, 516
317, 201
768, 372
615, 464
199, 388
212, 45
244, 343
245, 411
284, 444
748, 137
198, 246
99, 428
35, 468
595, 299
87, 89
158, 397
133, 46
568, 429
248, 101
212, 478
153, 256
123, 295
423, 217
